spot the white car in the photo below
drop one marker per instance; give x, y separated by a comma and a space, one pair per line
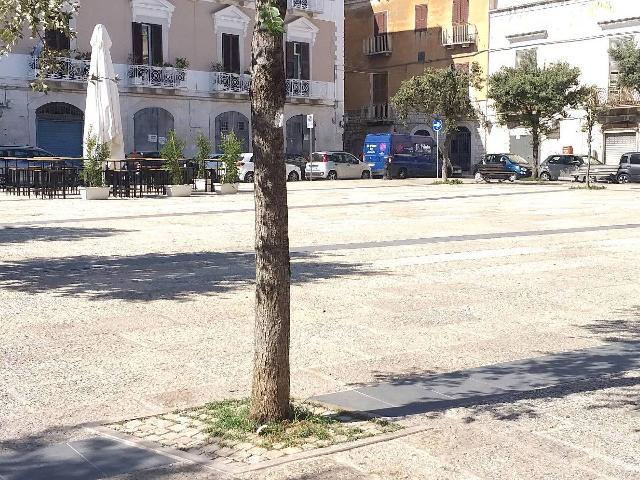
245, 170
335, 165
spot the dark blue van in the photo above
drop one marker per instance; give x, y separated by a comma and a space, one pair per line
409, 155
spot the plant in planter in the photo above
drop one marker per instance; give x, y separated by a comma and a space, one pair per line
217, 67
92, 171
182, 65
231, 150
203, 147
172, 153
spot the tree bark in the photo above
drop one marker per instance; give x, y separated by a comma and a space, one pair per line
446, 161
589, 145
535, 134
271, 371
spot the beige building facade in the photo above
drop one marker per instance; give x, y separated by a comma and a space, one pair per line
183, 65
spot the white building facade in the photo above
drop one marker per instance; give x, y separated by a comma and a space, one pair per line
581, 33
184, 65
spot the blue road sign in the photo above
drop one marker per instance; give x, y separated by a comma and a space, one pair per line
437, 124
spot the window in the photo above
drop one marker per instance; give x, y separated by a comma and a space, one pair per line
224, 126
554, 160
379, 23
231, 53
147, 44
635, 159
421, 18
338, 158
460, 12
380, 92
422, 57
57, 40
527, 56
298, 60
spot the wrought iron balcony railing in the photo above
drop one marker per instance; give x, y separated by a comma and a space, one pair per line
309, 6
66, 69
157, 77
378, 45
462, 34
230, 82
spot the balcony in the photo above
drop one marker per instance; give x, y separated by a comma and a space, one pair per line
620, 97
66, 69
462, 35
379, 113
230, 82
306, 6
156, 77
378, 45
298, 88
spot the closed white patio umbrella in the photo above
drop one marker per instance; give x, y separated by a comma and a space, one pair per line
102, 114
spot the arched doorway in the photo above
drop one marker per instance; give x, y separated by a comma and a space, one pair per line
460, 148
228, 122
298, 136
150, 129
423, 133
59, 128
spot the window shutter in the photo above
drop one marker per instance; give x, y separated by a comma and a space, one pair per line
226, 53
421, 17
136, 30
380, 23
305, 74
290, 64
156, 45
235, 55
460, 11
380, 94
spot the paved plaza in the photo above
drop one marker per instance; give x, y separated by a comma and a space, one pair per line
131, 308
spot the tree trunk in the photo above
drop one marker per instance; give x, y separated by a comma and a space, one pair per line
270, 389
446, 162
535, 134
589, 144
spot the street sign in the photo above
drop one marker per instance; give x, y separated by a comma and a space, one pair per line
437, 124
310, 122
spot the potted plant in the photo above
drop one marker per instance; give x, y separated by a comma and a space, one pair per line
203, 147
182, 65
172, 154
231, 150
92, 171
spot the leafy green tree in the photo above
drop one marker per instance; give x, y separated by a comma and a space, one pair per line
35, 17
172, 152
440, 93
594, 108
231, 149
203, 152
535, 98
627, 55
93, 164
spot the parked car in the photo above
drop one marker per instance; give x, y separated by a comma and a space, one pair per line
299, 161
509, 161
556, 166
629, 169
11, 153
413, 155
246, 168
336, 165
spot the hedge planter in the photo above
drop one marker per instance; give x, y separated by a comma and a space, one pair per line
179, 190
94, 193
201, 184
228, 188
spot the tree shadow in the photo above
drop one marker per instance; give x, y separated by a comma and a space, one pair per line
53, 234
624, 328
156, 276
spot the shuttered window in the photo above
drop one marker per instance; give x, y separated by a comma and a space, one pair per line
460, 11
57, 40
380, 84
380, 23
421, 17
147, 44
231, 53
298, 61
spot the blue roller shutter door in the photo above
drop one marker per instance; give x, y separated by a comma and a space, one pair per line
60, 137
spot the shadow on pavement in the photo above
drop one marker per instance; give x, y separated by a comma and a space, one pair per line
156, 276
53, 234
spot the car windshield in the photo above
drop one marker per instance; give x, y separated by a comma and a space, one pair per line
518, 159
592, 161
318, 157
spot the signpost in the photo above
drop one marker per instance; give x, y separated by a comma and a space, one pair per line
310, 126
437, 125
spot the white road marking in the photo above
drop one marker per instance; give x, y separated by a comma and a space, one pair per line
458, 256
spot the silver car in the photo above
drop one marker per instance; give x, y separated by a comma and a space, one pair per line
336, 165
555, 167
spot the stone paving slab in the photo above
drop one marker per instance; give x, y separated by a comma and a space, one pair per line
89, 459
416, 395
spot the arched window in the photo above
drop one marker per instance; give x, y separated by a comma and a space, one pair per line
150, 129
59, 128
236, 122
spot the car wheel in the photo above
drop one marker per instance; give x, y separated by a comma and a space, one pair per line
513, 178
248, 178
293, 177
332, 175
478, 177
623, 178
545, 177
403, 173
366, 175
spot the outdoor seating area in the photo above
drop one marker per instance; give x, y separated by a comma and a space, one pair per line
62, 177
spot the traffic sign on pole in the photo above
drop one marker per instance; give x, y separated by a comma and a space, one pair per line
437, 124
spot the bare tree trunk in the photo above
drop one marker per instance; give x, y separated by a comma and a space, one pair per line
446, 162
271, 375
535, 134
589, 144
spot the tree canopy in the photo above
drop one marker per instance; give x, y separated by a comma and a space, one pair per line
34, 17
442, 93
535, 97
627, 56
